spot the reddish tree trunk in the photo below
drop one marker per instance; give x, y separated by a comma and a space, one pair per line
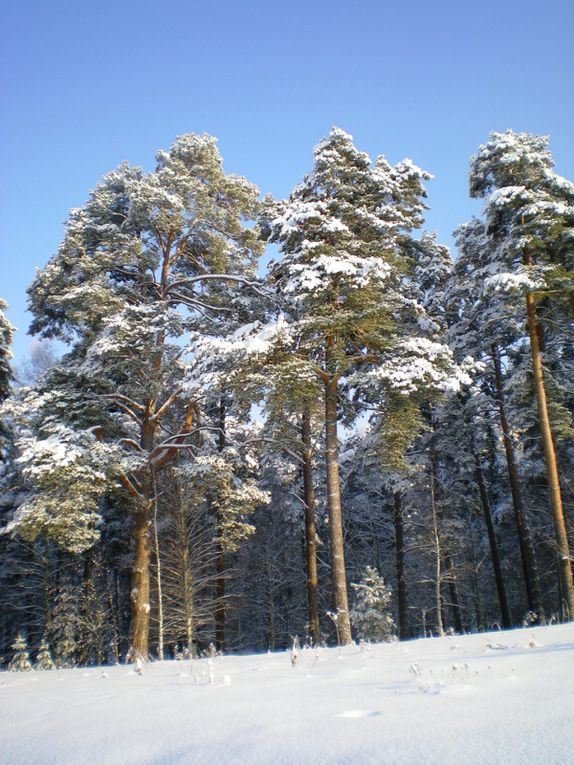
310, 531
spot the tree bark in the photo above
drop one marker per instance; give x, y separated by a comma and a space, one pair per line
404, 627
528, 556
453, 591
219, 614
310, 530
560, 533
160, 620
185, 569
270, 604
437, 551
140, 580
338, 573
140, 585
494, 554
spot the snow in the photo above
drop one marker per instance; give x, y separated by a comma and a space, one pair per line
502, 697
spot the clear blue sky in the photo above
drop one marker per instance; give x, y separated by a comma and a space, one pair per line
88, 85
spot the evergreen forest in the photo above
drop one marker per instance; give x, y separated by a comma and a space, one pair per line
283, 420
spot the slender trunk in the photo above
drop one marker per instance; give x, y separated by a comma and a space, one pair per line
115, 640
437, 552
310, 531
338, 574
528, 556
478, 608
186, 579
494, 554
160, 626
561, 536
404, 628
270, 605
219, 614
453, 592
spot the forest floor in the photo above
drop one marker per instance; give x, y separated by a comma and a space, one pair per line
492, 698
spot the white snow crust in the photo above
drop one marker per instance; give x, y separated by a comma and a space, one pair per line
492, 698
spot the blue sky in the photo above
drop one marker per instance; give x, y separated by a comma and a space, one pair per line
85, 86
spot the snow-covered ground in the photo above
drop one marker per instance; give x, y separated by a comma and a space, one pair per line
504, 697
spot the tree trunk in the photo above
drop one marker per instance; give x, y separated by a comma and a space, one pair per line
160, 621
528, 556
338, 574
219, 614
404, 628
494, 554
453, 591
270, 604
140, 580
310, 531
437, 551
140, 584
185, 571
561, 536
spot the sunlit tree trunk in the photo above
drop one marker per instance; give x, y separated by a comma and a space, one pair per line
219, 614
140, 584
561, 536
158, 573
140, 579
338, 574
310, 531
437, 551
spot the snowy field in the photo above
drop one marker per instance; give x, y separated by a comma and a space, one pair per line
504, 697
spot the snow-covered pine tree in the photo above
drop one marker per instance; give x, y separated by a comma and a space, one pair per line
6, 332
20, 661
529, 212
44, 657
65, 627
147, 260
370, 614
6, 377
345, 238
486, 324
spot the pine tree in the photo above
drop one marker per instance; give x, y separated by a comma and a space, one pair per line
486, 325
345, 238
148, 261
530, 224
65, 628
6, 332
370, 614
21, 660
44, 657
6, 377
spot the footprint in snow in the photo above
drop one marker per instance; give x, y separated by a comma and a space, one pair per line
355, 714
